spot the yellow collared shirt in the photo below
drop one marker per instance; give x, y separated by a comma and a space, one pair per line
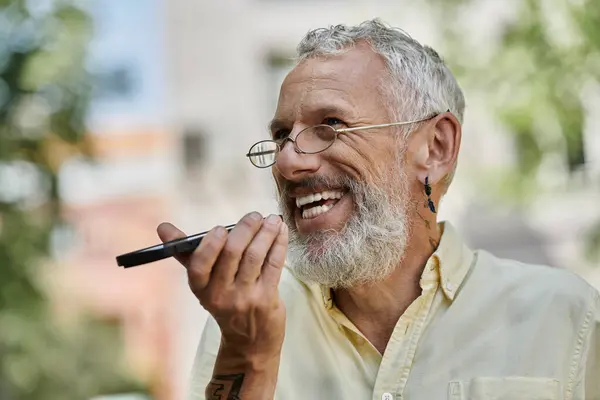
483, 328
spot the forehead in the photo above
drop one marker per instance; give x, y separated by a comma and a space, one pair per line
349, 82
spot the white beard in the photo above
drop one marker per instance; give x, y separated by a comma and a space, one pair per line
369, 247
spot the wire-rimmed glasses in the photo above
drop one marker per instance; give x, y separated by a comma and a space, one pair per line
311, 140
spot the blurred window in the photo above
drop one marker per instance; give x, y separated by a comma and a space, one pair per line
117, 82
194, 146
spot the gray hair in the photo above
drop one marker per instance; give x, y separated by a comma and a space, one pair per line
419, 82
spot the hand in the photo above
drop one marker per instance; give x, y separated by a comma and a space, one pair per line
235, 277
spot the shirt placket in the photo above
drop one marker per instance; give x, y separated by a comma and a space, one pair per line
400, 351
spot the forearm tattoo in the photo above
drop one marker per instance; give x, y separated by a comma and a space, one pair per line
225, 387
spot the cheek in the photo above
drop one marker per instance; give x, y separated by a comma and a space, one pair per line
363, 157
378, 158
278, 182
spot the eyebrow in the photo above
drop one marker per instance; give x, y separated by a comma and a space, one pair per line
279, 123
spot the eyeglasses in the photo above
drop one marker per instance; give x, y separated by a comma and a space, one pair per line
311, 140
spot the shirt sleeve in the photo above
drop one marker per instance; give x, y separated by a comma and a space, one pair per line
587, 378
204, 362
592, 378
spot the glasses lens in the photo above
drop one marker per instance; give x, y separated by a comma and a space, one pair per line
262, 154
316, 139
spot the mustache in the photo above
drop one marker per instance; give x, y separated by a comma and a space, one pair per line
315, 182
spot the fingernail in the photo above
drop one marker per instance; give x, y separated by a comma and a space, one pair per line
256, 216
273, 219
220, 232
283, 228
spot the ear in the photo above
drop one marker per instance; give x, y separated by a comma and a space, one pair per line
437, 153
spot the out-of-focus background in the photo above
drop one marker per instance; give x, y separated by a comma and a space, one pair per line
116, 115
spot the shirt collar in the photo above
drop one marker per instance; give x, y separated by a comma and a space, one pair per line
450, 263
455, 260
327, 295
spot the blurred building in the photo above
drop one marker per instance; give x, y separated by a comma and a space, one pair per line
185, 88
115, 202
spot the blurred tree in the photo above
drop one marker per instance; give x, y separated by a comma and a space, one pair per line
43, 98
540, 77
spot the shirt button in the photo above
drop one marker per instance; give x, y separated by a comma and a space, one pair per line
387, 396
449, 286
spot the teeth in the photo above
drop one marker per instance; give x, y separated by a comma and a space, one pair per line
300, 201
311, 198
315, 211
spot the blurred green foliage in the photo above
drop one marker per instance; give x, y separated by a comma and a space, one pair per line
536, 77
44, 93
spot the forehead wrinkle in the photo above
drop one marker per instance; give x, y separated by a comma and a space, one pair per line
348, 83
317, 105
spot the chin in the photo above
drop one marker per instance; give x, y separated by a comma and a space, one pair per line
361, 253
345, 235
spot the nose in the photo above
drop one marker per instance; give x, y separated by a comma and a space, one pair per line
293, 165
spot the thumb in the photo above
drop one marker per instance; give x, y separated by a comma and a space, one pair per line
167, 231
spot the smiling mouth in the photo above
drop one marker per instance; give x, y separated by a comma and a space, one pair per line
315, 204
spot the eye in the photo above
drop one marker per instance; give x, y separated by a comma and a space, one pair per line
333, 121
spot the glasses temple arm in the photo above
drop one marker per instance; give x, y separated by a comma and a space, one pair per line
385, 125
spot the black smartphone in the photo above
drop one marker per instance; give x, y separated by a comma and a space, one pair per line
164, 250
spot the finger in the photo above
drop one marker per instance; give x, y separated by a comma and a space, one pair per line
203, 259
273, 265
167, 232
238, 239
255, 254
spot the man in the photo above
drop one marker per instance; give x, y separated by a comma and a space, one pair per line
377, 299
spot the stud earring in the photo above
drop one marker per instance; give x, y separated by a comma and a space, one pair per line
428, 193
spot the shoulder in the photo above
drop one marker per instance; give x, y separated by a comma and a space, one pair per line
535, 284
535, 276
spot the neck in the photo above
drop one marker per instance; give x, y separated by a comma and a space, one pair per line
376, 308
